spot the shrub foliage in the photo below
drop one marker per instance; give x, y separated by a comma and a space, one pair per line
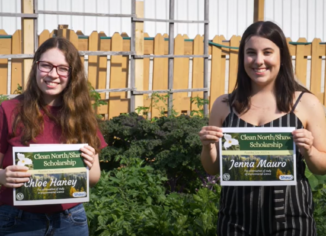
132, 200
169, 144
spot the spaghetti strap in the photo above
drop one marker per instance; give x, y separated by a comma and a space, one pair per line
297, 101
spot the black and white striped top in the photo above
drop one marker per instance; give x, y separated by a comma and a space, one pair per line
267, 210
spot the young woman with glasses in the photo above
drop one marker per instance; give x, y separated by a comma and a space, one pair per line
54, 108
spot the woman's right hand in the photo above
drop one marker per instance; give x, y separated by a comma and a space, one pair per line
210, 134
14, 176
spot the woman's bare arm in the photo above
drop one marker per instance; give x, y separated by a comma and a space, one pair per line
209, 136
311, 140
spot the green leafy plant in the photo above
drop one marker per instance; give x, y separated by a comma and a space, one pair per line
170, 145
319, 197
19, 89
318, 188
316, 181
131, 200
142, 110
200, 102
95, 97
156, 101
3, 98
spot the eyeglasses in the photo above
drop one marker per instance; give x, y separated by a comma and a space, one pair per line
47, 67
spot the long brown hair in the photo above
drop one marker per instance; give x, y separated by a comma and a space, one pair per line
76, 118
285, 84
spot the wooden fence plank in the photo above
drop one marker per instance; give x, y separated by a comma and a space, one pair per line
73, 38
5, 48
93, 41
180, 77
315, 82
45, 35
301, 62
233, 62
16, 64
291, 47
83, 44
102, 75
197, 69
118, 106
126, 42
124, 71
189, 45
160, 75
116, 76
217, 85
148, 45
166, 44
259, 7
62, 31
146, 65
186, 101
53, 33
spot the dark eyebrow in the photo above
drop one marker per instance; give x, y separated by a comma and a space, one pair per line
251, 49
54, 65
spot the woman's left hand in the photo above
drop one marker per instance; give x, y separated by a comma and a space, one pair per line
304, 140
88, 153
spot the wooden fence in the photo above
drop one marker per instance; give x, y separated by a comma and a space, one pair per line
109, 72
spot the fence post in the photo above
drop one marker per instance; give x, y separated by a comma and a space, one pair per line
171, 51
27, 6
259, 6
206, 36
137, 80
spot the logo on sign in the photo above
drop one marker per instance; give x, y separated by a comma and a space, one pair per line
79, 194
19, 196
286, 177
226, 177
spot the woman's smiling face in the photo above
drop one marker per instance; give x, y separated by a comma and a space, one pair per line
261, 60
51, 83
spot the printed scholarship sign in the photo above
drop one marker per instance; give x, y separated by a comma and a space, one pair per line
59, 175
257, 156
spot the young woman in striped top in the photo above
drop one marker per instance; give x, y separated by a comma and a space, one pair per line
267, 95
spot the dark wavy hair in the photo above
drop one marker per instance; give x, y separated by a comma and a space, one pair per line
76, 117
285, 84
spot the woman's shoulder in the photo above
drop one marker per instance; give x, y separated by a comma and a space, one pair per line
11, 103
221, 102
220, 110
308, 107
306, 99
8, 107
